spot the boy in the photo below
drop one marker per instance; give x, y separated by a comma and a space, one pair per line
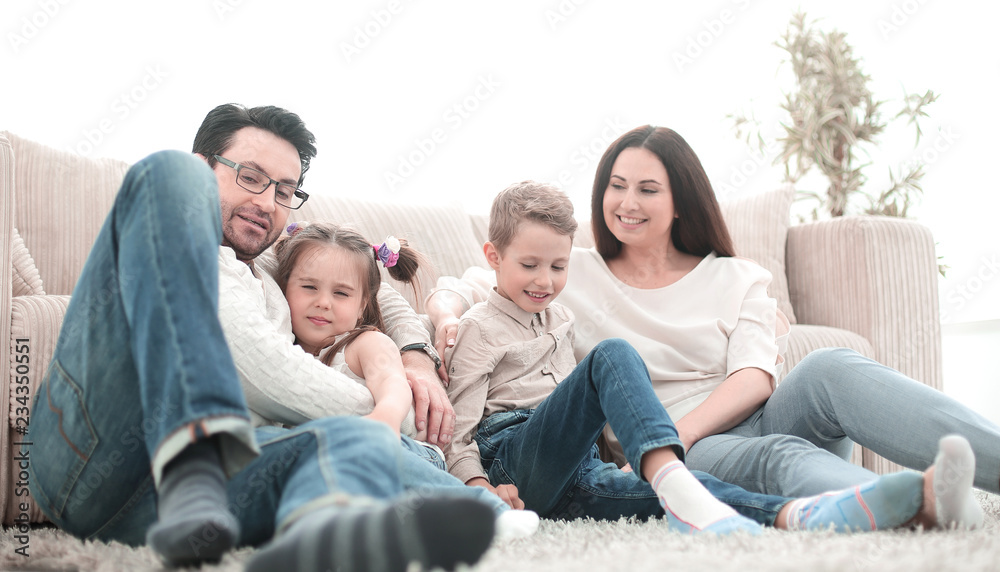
528, 416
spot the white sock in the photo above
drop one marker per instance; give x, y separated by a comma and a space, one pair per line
954, 469
681, 494
513, 524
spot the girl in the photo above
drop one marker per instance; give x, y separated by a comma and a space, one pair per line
330, 277
335, 314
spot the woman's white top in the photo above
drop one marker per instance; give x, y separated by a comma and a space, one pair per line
692, 334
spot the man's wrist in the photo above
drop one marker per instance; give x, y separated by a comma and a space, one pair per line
427, 349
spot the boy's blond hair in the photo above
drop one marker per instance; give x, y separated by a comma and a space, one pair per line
529, 200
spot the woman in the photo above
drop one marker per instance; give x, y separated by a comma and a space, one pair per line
664, 273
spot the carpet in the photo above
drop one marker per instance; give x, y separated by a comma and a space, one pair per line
620, 545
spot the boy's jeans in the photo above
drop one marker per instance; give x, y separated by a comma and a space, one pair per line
549, 452
142, 369
424, 472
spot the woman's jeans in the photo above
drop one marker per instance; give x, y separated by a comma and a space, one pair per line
798, 443
142, 369
549, 452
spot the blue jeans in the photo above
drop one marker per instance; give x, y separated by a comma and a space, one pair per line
800, 441
141, 370
550, 454
424, 472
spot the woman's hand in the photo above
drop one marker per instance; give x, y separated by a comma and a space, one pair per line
688, 438
507, 493
734, 400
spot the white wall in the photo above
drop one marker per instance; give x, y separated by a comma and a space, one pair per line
485, 94
970, 372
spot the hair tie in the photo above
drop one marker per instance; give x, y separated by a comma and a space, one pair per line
295, 228
388, 251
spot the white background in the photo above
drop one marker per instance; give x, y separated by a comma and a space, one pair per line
541, 87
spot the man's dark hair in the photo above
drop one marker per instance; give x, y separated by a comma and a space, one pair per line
216, 133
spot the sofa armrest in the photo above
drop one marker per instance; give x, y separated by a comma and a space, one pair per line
6, 293
877, 277
34, 324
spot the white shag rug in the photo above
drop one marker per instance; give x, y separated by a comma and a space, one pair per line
622, 545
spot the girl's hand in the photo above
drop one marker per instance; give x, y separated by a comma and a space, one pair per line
389, 420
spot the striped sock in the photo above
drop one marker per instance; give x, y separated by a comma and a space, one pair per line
194, 524
434, 532
886, 502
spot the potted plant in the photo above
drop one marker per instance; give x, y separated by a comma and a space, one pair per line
833, 121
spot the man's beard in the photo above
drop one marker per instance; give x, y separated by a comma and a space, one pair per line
247, 248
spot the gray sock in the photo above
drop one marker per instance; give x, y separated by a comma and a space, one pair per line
434, 532
194, 523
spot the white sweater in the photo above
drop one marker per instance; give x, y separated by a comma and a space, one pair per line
693, 334
283, 384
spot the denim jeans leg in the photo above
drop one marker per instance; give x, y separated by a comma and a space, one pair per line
334, 461
605, 492
422, 474
543, 455
835, 395
772, 464
141, 359
761, 508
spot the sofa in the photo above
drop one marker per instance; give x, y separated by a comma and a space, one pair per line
867, 283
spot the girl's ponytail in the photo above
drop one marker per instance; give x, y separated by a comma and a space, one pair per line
400, 259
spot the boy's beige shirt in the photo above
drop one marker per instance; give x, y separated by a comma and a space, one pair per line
504, 359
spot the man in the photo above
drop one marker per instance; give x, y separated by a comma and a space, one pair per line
141, 418
256, 323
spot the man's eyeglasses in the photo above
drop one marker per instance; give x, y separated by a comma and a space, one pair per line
285, 194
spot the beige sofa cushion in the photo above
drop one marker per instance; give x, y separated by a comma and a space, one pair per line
759, 225
25, 281
61, 200
803, 339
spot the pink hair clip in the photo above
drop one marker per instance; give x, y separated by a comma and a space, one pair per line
294, 228
388, 251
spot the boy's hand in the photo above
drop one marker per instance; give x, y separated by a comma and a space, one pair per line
507, 493
444, 337
433, 414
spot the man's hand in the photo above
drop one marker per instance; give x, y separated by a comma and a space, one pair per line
434, 415
507, 493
